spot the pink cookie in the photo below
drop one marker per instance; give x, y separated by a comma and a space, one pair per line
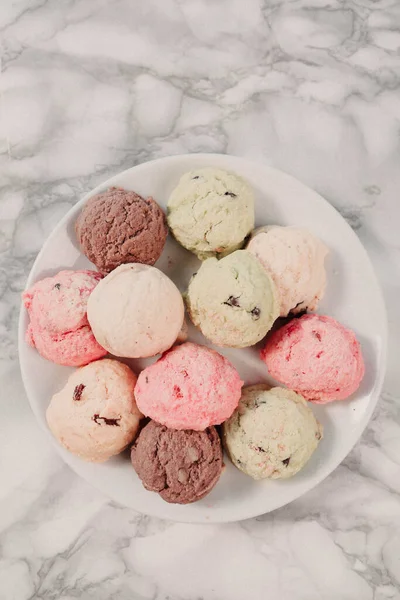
58, 327
190, 387
317, 357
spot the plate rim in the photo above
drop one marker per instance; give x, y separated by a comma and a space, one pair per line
374, 394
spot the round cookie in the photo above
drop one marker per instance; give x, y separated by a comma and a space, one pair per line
211, 212
119, 226
182, 466
59, 328
317, 357
272, 434
294, 258
95, 415
233, 301
136, 312
190, 387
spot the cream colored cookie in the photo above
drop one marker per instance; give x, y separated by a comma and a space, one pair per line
233, 300
210, 212
272, 434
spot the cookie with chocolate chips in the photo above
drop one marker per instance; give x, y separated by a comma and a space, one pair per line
272, 434
95, 415
182, 466
211, 212
233, 300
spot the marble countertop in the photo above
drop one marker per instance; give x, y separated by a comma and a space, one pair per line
91, 87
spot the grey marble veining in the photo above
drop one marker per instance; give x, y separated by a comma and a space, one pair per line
91, 87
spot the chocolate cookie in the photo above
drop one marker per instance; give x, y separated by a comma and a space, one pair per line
119, 226
182, 466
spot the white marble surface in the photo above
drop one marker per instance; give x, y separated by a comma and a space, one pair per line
91, 87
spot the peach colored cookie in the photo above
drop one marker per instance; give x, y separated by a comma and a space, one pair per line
95, 415
294, 258
190, 387
317, 357
59, 328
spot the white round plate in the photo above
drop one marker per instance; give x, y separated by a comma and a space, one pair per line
353, 297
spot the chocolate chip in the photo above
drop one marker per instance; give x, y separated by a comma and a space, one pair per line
114, 422
196, 177
286, 461
146, 379
231, 194
260, 449
299, 314
255, 313
317, 335
57, 286
233, 301
258, 403
78, 392
194, 274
